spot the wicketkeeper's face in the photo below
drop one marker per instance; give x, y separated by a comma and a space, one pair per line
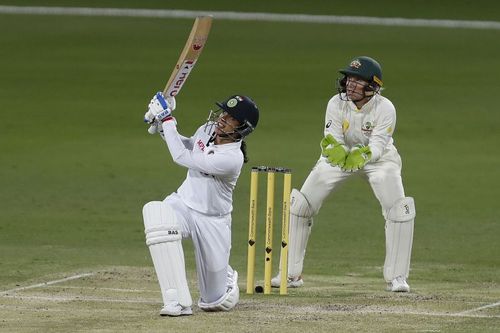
355, 88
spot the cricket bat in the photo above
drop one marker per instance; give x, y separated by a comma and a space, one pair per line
192, 50
190, 54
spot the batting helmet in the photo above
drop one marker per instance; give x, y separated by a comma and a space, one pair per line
243, 109
366, 68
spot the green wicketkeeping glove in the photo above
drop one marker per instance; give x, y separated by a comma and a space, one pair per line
333, 151
357, 158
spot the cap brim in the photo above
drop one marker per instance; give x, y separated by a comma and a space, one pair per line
347, 72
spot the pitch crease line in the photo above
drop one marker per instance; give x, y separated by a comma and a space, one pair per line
85, 299
69, 278
479, 308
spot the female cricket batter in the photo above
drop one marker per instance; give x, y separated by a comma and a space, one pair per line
358, 130
201, 207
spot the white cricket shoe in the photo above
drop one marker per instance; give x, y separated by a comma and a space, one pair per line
175, 310
399, 284
293, 282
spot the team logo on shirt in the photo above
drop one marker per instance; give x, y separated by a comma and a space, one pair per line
367, 128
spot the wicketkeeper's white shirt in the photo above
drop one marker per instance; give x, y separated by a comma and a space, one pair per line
372, 125
212, 170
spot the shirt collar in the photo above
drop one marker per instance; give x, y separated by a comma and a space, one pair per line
228, 146
365, 107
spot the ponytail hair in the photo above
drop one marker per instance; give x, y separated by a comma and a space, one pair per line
244, 151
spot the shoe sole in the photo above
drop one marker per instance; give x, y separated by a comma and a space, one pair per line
183, 312
398, 290
294, 284
175, 315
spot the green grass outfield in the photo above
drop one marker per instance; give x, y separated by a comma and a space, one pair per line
77, 165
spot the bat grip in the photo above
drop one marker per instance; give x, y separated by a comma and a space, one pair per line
152, 128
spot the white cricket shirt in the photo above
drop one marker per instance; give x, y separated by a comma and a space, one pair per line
372, 125
212, 170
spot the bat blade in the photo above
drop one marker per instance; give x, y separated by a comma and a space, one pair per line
190, 54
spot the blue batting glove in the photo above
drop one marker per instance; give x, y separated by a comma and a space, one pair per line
158, 110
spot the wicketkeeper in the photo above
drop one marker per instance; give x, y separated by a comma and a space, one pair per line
201, 207
359, 125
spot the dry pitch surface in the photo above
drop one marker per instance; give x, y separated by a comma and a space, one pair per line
127, 299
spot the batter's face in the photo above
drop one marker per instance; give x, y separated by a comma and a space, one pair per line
226, 124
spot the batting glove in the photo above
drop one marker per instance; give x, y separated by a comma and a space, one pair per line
335, 152
357, 158
158, 110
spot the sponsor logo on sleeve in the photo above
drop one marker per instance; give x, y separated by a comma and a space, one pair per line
201, 145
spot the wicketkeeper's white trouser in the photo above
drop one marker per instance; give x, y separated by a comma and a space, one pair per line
384, 177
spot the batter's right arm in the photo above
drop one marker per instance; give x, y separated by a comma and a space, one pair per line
188, 142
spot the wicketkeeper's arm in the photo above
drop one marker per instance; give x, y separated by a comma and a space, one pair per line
381, 135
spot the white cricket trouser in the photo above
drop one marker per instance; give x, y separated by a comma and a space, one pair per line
383, 175
211, 236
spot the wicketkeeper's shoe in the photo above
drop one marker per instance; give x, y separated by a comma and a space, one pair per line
175, 310
399, 284
293, 282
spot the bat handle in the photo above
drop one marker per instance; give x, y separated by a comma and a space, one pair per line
152, 128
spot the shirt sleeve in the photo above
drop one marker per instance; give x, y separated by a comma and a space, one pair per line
210, 162
187, 142
382, 132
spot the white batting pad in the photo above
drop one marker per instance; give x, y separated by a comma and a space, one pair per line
300, 228
399, 239
228, 300
403, 210
163, 237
